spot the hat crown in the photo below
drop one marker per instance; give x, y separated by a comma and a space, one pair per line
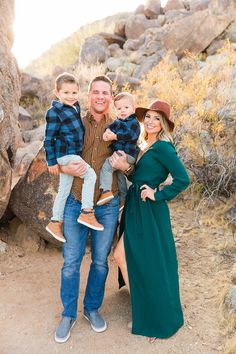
161, 106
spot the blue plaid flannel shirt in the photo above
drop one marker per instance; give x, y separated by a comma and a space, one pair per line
127, 131
64, 133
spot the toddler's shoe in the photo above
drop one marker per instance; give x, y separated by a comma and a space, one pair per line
88, 218
105, 198
55, 229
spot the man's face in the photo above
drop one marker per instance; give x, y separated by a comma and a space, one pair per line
100, 97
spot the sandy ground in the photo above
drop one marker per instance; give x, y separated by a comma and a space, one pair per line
30, 304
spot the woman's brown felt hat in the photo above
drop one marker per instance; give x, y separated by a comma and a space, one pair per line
157, 106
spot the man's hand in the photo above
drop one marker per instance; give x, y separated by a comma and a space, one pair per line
109, 135
77, 169
119, 161
54, 170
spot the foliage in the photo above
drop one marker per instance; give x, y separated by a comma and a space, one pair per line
200, 97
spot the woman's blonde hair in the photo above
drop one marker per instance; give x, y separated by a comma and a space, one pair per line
164, 134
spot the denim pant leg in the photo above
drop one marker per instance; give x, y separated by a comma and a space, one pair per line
73, 251
122, 181
100, 248
122, 185
64, 188
106, 176
88, 188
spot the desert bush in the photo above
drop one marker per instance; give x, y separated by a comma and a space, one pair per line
202, 104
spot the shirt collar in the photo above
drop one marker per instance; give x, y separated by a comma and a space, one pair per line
91, 119
59, 105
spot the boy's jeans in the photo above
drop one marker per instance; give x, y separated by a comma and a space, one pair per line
74, 249
106, 177
65, 184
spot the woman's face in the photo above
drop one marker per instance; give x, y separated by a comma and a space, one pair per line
152, 123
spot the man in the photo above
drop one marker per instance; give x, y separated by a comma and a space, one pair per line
95, 151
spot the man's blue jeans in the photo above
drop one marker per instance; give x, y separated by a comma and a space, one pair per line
74, 249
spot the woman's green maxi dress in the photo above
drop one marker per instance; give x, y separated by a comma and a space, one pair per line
149, 244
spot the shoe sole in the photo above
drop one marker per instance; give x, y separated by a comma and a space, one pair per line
63, 340
98, 330
55, 236
105, 200
90, 226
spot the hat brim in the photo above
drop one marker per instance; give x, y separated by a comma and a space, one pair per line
141, 111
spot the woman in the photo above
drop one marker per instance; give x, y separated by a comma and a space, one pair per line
147, 244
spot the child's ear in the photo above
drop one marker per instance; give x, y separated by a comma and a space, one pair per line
55, 93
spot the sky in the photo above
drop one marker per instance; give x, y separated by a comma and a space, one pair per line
39, 24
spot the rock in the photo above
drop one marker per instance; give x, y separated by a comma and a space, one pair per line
215, 46
112, 38
175, 15
131, 44
146, 66
137, 24
198, 5
32, 197
140, 10
24, 157
123, 80
114, 63
174, 5
230, 33
195, 32
25, 119
3, 247
94, 51
152, 9
230, 300
32, 86
5, 180
120, 28
115, 50
9, 98
26, 238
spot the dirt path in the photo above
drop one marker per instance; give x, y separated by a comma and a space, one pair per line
30, 305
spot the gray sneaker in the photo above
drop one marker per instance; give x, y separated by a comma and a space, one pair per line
63, 330
96, 321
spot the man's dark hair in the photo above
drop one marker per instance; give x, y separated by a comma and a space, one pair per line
103, 78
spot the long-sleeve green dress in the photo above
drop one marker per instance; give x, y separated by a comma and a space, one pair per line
149, 244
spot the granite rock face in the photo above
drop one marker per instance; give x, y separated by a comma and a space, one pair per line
9, 102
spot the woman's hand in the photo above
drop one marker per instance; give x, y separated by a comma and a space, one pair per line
54, 170
76, 169
119, 160
147, 192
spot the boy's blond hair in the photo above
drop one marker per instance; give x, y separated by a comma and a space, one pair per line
65, 78
124, 95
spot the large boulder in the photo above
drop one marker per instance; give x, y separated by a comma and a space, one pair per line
32, 197
9, 99
152, 9
194, 33
94, 51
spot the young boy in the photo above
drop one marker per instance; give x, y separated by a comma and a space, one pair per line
63, 143
124, 133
